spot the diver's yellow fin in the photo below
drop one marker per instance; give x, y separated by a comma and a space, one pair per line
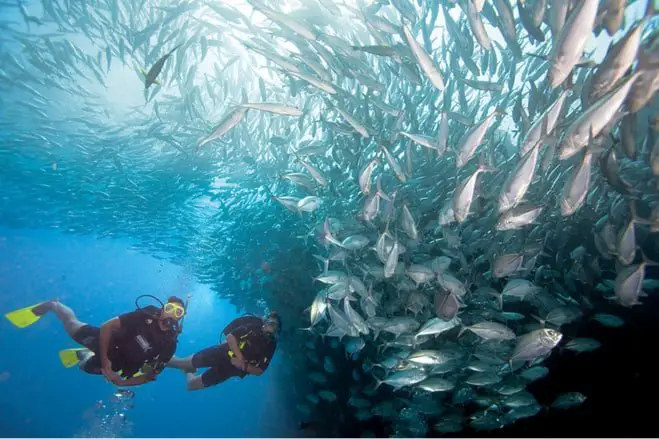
23, 317
69, 357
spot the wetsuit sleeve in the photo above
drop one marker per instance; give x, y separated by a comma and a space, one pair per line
242, 325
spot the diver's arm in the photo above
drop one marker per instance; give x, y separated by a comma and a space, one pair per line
104, 339
233, 345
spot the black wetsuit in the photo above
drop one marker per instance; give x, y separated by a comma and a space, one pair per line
257, 348
140, 341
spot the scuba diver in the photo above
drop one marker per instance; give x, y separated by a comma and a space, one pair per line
249, 348
130, 349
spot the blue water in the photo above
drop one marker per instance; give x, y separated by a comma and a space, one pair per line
99, 279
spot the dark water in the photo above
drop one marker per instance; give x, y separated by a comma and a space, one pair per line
620, 380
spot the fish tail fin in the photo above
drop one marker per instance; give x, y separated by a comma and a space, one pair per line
380, 193
325, 262
635, 218
463, 328
326, 228
647, 260
269, 191
541, 321
483, 166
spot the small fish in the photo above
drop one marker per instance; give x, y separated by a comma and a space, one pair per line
534, 373
436, 384
404, 378
608, 320
568, 400
465, 193
275, 108
472, 139
535, 344
227, 124
436, 326
483, 379
491, 331
328, 365
582, 345
424, 61
571, 41
155, 70
327, 395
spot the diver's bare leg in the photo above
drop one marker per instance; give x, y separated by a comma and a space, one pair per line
182, 363
63, 312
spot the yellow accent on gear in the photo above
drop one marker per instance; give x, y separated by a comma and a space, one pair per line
69, 357
240, 346
23, 317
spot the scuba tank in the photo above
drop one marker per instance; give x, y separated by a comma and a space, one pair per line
177, 327
248, 314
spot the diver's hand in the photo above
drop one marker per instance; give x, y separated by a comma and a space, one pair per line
111, 375
240, 364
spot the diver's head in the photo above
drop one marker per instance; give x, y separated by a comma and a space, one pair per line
272, 324
171, 314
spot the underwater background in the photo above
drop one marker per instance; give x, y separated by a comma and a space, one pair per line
99, 279
106, 194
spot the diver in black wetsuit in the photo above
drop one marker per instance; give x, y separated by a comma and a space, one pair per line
129, 350
250, 346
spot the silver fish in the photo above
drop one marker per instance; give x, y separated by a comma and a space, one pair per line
535, 344
572, 39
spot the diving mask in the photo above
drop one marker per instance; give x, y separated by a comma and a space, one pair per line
274, 321
174, 309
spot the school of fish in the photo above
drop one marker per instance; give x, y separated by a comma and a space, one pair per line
466, 176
